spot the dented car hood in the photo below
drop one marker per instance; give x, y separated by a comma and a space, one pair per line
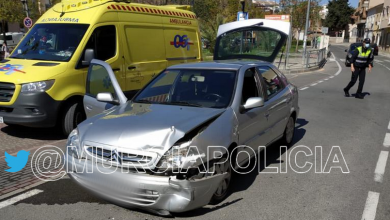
143, 126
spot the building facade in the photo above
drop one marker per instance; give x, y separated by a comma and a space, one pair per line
385, 27
360, 17
373, 21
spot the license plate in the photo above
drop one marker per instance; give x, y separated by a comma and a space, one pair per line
1, 120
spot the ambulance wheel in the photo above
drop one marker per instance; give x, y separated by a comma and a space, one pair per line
72, 116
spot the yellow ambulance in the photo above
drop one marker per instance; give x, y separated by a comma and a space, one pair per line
43, 82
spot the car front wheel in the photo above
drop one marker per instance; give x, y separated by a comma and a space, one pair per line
224, 187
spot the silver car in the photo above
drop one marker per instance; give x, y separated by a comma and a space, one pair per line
175, 146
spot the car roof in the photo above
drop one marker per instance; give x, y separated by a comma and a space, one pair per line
227, 65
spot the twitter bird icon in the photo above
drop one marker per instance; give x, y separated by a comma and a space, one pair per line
17, 163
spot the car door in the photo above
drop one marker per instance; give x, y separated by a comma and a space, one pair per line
105, 40
101, 79
278, 99
252, 123
258, 39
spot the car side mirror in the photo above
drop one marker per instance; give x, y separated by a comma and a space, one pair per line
253, 102
106, 97
89, 55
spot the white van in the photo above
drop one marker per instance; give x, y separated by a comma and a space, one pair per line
12, 38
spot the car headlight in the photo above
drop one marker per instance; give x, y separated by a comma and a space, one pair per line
73, 144
178, 156
37, 86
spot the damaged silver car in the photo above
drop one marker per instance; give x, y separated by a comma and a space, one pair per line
176, 144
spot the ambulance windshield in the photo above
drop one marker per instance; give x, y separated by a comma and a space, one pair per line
50, 42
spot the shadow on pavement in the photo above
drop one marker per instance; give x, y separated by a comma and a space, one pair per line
62, 192
242, 182
33, 133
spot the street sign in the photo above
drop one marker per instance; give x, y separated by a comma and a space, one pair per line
28, 22
285, 18
241, 16
324, 30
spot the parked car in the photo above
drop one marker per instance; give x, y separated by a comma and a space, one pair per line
137, 40
353, 46
165, 130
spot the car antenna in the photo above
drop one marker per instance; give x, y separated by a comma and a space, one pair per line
62, 9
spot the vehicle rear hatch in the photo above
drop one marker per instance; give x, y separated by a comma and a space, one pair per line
258, 39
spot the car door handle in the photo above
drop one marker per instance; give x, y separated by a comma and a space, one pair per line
266, 114
116, 69
89, 108
131, 67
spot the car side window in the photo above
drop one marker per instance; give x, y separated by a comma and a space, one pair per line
103, 42
99, 81
271, 81
250, 87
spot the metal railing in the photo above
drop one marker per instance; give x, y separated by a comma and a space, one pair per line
315, 58
312, 58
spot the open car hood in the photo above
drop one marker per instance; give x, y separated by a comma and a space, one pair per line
258, 39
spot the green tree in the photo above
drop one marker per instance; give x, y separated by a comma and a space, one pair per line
10, 11
339, 15
209, 30
298, 10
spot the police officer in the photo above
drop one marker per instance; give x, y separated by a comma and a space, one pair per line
361, 58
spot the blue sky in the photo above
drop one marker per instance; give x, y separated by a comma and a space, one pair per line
353, 3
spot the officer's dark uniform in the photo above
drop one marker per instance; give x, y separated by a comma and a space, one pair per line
361, 58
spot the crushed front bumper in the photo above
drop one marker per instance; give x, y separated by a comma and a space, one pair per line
157, 194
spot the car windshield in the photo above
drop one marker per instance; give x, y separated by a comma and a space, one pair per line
51, 42
190, 87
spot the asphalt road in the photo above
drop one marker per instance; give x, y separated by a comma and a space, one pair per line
327, 119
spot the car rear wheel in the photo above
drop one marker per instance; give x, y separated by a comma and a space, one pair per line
289, 131
73, 115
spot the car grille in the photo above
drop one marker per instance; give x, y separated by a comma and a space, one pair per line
6, 91
126, 158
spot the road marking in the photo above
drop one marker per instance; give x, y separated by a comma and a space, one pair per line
314, 84
386, 142
388, 126
387, 60
326, 79
381, 166
320, 81
331, 77
338, 64
379, 61
342, 60
304, 88
384, 66
19, 198
331, 59
370, 207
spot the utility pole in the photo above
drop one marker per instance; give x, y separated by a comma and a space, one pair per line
25, 7
242, 5
306, 28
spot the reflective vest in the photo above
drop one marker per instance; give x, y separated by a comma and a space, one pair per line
362, 58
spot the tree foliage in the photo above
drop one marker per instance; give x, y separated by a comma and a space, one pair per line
339, 14
11, 10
